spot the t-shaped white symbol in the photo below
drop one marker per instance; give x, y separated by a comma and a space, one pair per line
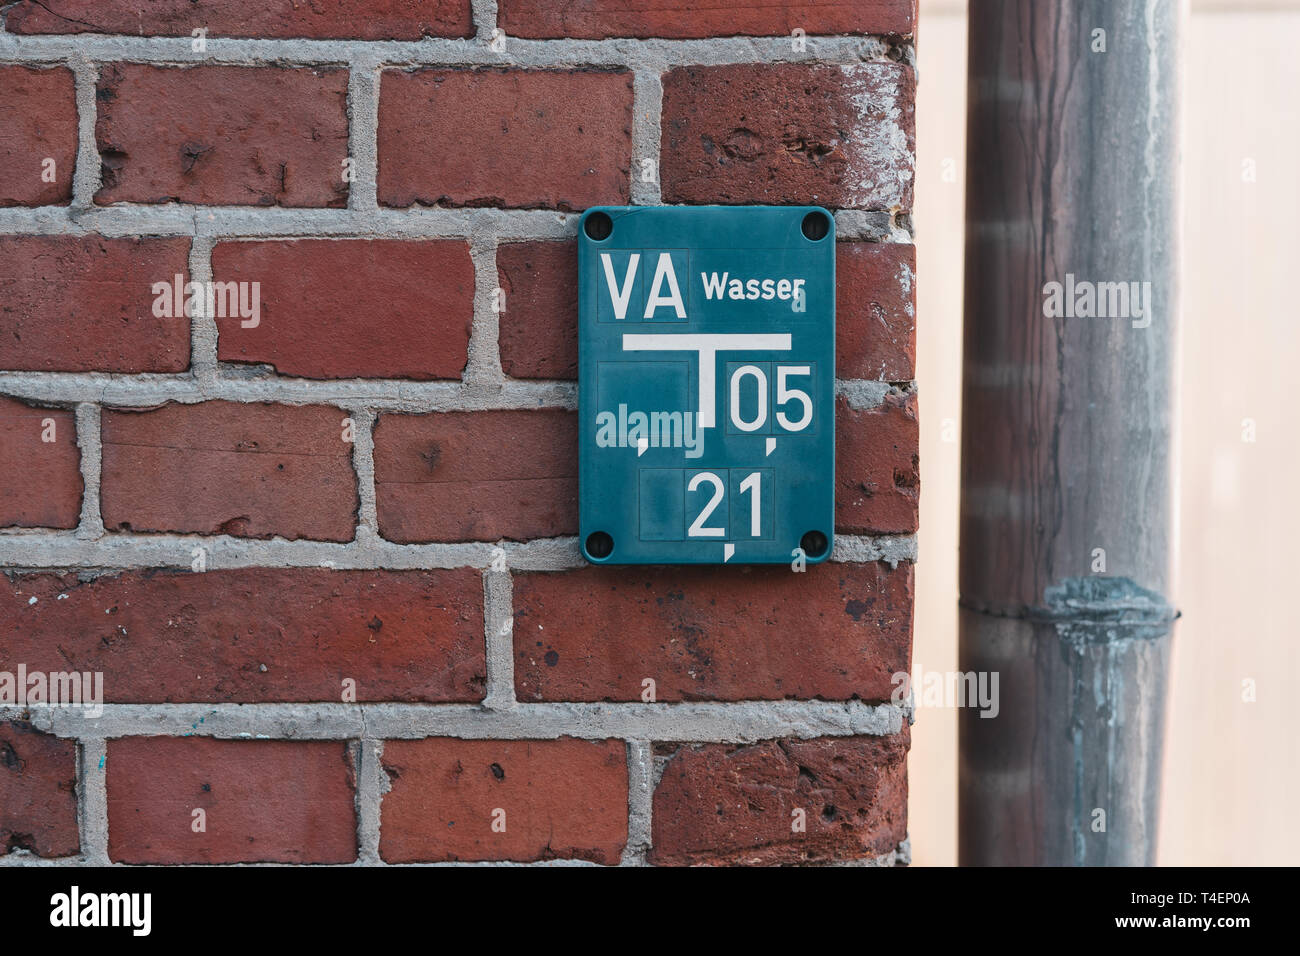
707, 345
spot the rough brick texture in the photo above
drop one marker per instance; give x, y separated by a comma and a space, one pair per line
495, 137
38, 122
40, 480
247, 136
38, 795
596, 19
275, 801
877, 467
320, 19
477, 476
254, 635
325, 542
549, 799
726, 804
86, 303
341, 309
539, 327
789, 134
249, 470
875, 310
837, 631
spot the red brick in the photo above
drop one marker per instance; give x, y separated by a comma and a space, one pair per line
254, 471
40, 481
839, 136
563, 799
378, 308
38, 791
597, 19
244, 136
320, 19
724, 804
272, 801
86, 304
877, 467
539, 328
477, 476
494, 137
836, 632
875, 311
254, 635
38, 121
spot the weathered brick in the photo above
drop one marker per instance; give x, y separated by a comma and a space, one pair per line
38, 791
273, 801
597, 19
38, 122
495, 137
226, 135
254, 635
250, 470
477, 476
40, 481
320, 19
86, 304
539, 327
875, 311
835, 632
839, 136
561, 799
391, 304
877, 467
377, 308
728, 804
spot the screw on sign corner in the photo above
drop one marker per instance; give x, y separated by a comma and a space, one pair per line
816, 225
599, 545
598, 226
814, 544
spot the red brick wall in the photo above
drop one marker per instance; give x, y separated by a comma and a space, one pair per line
322, 551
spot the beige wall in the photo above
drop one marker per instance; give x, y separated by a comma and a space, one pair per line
939, 217
1232, 769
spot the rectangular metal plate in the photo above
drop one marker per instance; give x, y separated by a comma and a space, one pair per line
706, 352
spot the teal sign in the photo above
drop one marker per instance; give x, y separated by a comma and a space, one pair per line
706, 353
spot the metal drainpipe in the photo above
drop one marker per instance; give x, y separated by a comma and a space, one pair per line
1067, 511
